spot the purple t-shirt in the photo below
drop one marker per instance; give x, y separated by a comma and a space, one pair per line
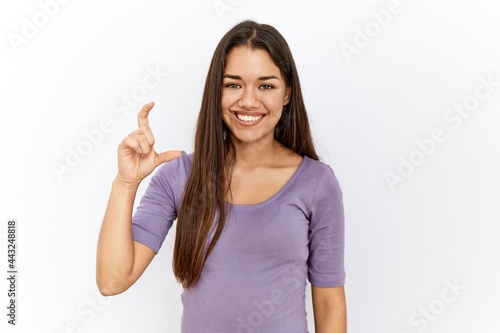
255, 278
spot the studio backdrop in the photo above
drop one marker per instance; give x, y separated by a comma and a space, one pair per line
403, 98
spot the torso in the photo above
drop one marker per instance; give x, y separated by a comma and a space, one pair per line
263, 257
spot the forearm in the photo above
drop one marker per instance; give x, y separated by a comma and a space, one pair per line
331, 320
330, 309
115, 249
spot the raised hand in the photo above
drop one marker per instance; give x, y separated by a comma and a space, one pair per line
136, 155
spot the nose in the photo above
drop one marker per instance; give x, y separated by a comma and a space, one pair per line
249, 99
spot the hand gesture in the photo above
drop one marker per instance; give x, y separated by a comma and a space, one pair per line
136, 155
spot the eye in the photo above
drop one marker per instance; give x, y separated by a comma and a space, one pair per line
266, 87
232, 86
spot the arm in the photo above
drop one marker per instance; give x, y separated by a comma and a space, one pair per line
330, 310
120, 260
326, 257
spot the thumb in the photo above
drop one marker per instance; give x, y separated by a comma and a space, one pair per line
167, 156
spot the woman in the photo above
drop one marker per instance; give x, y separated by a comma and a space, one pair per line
257, 213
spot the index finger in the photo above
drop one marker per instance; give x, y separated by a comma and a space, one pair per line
142, 116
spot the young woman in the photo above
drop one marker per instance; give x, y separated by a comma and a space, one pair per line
257, 213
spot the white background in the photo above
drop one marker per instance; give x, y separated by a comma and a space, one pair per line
404, 246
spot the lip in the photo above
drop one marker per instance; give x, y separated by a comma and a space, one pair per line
247, 123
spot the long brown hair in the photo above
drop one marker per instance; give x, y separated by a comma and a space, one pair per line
206, 189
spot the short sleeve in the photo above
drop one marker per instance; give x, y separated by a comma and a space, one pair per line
326, 233
157, 209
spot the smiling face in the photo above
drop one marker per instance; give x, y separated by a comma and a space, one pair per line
253, 95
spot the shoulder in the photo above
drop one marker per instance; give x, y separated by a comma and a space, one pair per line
320, 177
170, 179
315, 164
179, 166
174, 174
316, 170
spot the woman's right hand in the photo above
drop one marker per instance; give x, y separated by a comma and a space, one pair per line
136, 155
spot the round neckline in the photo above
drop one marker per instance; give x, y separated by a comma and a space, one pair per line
277, 194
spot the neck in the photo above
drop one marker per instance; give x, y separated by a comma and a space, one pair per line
254, 154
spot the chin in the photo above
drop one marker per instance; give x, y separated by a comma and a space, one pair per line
253, 139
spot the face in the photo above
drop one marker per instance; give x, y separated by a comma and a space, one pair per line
253, 95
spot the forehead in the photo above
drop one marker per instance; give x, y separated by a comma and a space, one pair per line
248, 62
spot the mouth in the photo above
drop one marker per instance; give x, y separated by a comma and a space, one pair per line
247, 119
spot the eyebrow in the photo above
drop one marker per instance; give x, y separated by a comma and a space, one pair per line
262, 78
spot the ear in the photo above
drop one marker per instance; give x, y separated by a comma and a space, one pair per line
288, 94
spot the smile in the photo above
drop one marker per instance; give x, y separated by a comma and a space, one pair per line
248, 118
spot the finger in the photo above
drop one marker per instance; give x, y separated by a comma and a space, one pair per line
149, 135
132, 143
146, 131
142, 116
167, 156
142, 139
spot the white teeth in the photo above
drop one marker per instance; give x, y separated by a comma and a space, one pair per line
248, 118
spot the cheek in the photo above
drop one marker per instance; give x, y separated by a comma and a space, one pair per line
227, 101
273, 104
224, 101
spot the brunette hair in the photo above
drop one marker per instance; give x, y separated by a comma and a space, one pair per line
204, 202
